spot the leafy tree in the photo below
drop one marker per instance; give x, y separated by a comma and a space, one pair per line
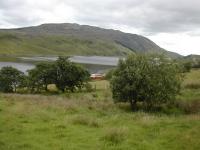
10, 79
41, 76
69, 76
187, 66
151, 80
109, 74
197, 64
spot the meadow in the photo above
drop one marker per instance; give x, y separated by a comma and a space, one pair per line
92, 121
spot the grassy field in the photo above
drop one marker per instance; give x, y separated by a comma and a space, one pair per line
91, 121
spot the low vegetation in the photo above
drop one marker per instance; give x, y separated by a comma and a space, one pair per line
91, 119
84, 121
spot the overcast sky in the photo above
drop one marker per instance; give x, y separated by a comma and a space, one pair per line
172, 24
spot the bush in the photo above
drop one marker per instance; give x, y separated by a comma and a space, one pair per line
109, 74
187, 66
69, 76
41, 76
193, 86
189, 107
152, 80
10, 79
88, 87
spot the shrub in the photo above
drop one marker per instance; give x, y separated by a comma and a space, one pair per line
10, 79
63, 73
41, 76
152, 80
88, 87
109, 74
193, 86
69, 75
187, 66
189, 107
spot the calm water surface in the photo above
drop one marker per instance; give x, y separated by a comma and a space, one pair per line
20, 66
98, 60
95, 64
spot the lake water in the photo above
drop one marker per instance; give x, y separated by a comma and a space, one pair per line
20, 66
98, 60
95, 64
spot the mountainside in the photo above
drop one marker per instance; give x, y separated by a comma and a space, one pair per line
74, 39
194, 59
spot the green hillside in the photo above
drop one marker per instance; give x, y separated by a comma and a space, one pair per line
74, 39
19, 44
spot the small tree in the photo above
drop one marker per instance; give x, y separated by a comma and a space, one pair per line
151, 80
109, 74
69, 76
41, 76
10, 79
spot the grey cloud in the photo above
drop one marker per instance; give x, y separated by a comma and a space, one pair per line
153, 16
149, 16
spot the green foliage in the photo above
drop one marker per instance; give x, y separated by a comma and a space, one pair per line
152, 80
69, 75
197, 64
10, 79
192, 86
187, 66
109, 74
41, 76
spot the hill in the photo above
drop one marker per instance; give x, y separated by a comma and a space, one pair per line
192, 57
74, 39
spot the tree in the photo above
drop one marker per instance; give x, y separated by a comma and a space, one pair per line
69, 76
10, 79
187, 66
109, 74
41, 76
151, 80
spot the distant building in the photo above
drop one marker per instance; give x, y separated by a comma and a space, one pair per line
97, 76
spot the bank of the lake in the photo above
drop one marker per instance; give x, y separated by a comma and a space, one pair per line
95, 64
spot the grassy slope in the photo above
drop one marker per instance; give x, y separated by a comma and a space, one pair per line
18, 44
91, 121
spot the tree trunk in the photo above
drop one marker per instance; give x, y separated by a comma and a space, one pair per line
46, 87
133, 105
63, 90
15, 88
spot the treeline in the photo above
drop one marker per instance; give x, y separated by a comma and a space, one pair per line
189, 64
149, 81
66, 75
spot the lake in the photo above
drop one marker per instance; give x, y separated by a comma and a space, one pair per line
98, 60
20, 66
95, 64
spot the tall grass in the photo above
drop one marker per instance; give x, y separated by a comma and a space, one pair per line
115, 135
83, 121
